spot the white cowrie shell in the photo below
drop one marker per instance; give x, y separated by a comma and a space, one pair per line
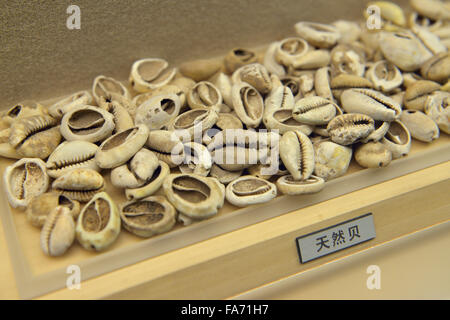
149, 74
61, 107
397, 139
58, 232
98, 224
110, 89
87, 123
24, 180
159, 111
248, 190
288, 185
119, 148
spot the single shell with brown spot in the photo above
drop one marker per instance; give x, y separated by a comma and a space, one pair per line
421, 126
373, 155
397, 139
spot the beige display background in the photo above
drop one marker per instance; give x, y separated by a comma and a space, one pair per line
40, 58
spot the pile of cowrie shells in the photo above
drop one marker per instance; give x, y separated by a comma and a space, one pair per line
243, 128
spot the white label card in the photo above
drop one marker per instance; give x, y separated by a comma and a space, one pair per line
335, 238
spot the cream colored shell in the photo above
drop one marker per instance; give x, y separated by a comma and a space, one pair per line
40, 207
332, 160
397, 139
288, 185
270, 61
385, 76
159, 111
122, 117
437, 107
137, 171
58, 109
151, 185
98, 224
421, 126
149, 74
204, 95
87, 123
110, 89
373, 155
148, 217
194, 196
318, 34
167, 146
197, 159
314, 110
248, 104
79, 184
35, 136
290, 49
119, 148
248, 190
58, 232
70, 155
350, 128
22, 110
25, 179
192, 124
297, 154
257, 76
372, 103
404, 50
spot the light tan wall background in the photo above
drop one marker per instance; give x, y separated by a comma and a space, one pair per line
40, 58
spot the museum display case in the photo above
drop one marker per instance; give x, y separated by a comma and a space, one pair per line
350, 100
